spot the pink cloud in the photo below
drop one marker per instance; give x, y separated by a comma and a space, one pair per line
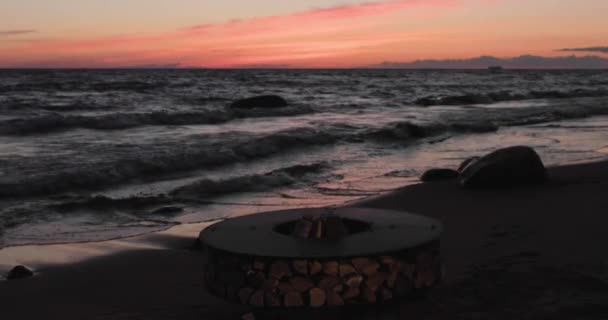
325, 15
304, 36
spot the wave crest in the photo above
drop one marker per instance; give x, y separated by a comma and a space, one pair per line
501, 96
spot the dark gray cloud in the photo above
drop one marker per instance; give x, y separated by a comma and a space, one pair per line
6, 33
521, 62
152, 66
587, 49
264, 66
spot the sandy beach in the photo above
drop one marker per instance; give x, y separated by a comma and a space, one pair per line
521, 253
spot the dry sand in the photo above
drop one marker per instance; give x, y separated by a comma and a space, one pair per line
524, 253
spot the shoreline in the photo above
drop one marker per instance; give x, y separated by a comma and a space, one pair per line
185, 225
509, 253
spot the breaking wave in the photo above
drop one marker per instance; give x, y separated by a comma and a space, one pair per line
500, 96
251, 183
200, 191
58, 122
205, 151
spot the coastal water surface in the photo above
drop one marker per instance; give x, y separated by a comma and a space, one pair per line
91, 155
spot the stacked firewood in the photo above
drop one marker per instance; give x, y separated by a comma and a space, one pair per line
320, 227
266, 282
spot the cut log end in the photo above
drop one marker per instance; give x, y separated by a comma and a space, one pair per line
317, 297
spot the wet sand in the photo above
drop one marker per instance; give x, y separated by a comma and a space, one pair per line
523, 253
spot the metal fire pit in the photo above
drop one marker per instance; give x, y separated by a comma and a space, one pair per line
380, 256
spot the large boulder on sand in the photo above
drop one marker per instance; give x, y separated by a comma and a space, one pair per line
510, 167
19, 272
433, 175
267, 101
467, 163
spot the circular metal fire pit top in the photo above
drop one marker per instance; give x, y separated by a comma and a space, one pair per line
257, 235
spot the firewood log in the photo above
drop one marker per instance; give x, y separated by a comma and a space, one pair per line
317, 297
257, 299
245, 295
331, 268
293, 299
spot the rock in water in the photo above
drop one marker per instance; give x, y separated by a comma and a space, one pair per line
19, 272
267, 102
510, 167
439, 175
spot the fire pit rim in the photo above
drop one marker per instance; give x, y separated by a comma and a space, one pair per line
255, 235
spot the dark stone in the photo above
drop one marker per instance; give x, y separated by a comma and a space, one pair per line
439, 175
466, 163
267, 102
510, 167
19, 272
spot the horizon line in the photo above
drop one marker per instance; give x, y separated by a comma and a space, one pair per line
418, 64
299, 68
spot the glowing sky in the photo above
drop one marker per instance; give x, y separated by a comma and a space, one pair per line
297, 33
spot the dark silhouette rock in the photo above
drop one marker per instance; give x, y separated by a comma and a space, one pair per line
267, 102
510, 167
466, 163
19, 272
439, 175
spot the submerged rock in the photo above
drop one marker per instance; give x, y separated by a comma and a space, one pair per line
20, 272
510, 167
266, 101
439, 175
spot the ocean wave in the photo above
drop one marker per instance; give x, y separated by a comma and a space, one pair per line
76, 85
251, 183
103, 203
407, 130
501, 96
59, 122
198, 192
208, 151
199, 151
195, 152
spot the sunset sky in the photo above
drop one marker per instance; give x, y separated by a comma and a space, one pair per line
296, 33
